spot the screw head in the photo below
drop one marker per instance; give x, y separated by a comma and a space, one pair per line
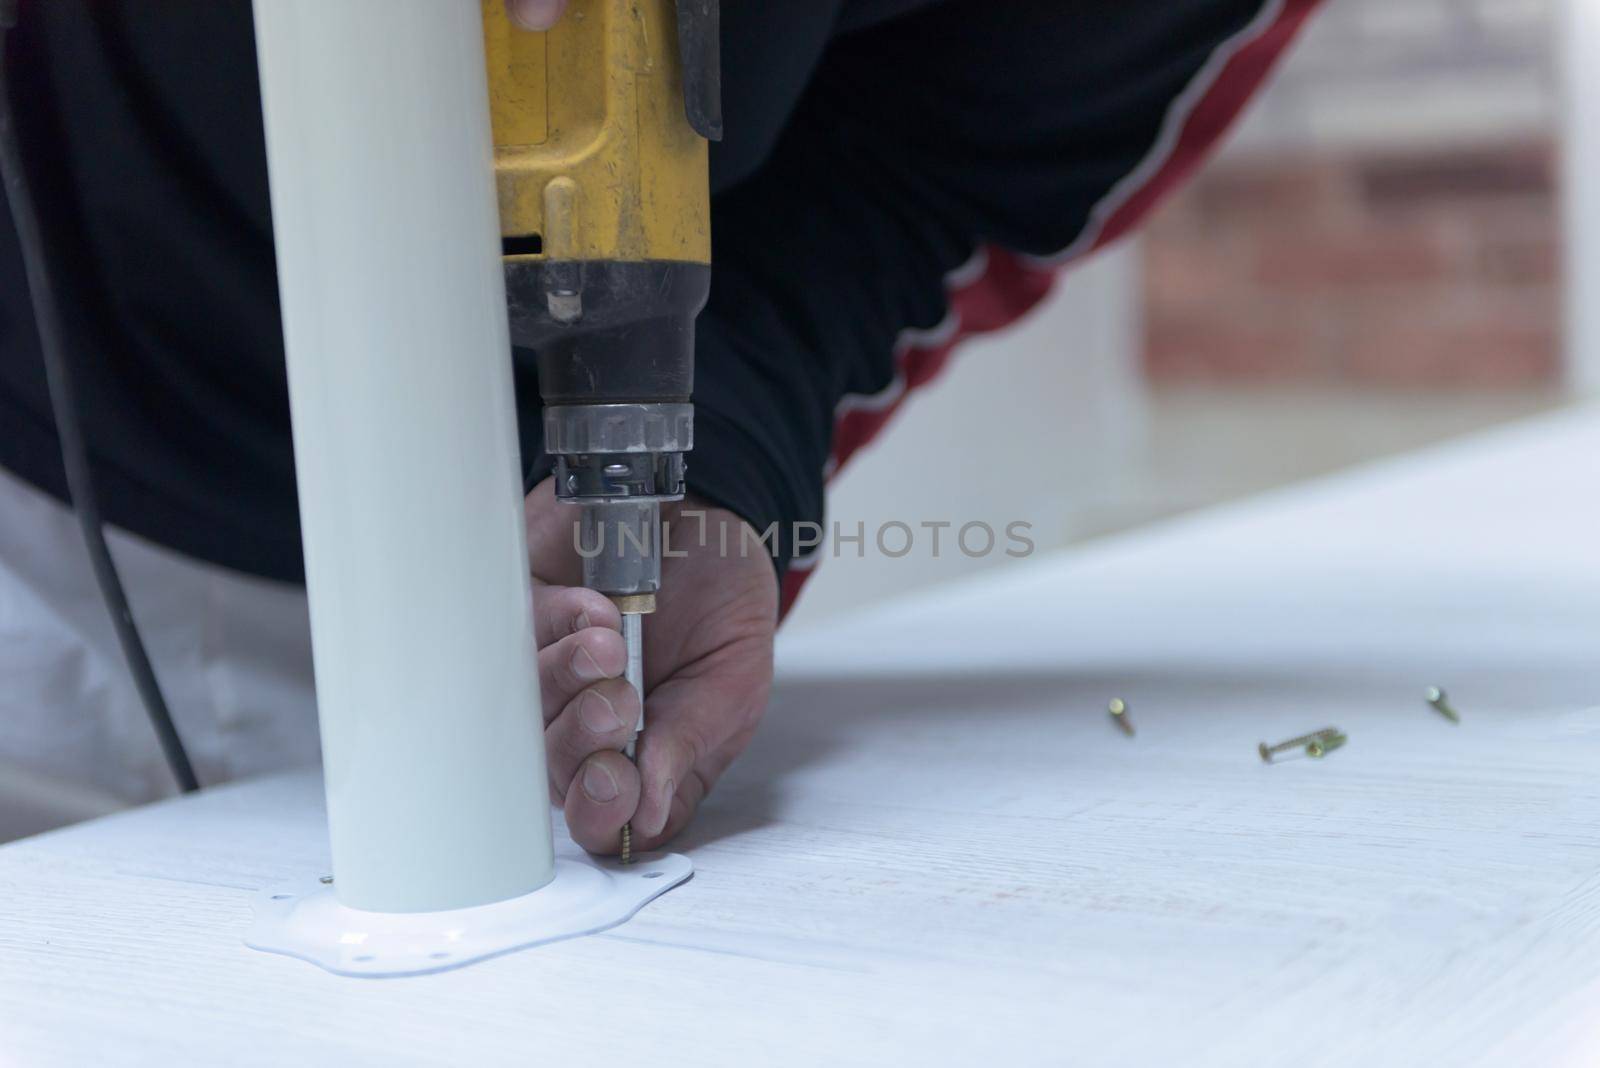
1119, 715
1441, 704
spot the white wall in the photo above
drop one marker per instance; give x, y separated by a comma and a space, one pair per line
1581, 32
1025, 425
1403, 73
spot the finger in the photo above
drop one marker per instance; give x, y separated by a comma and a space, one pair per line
694, 727
577, 662
602, 798
562, 610
668, 753
535, 14
685, 799
599, 718
553, 536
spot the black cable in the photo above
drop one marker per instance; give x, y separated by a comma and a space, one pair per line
63, 402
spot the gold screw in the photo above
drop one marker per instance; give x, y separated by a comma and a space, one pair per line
1441, 704
1324, 745
627, 843
1119, 715
1323, 741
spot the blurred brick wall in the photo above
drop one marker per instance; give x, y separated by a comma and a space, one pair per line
1391, 268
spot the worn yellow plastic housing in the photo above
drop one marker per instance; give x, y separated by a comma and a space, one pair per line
594, 157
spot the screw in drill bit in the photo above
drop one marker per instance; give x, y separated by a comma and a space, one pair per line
1441, 704
627, 843
1317, 743
1119, 715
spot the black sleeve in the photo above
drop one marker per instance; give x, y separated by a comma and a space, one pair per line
917, 141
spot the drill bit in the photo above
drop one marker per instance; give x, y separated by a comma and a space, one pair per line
633, 638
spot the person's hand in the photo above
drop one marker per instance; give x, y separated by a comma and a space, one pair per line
707, 669
535, 14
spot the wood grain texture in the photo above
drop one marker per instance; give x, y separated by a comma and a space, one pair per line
940, 850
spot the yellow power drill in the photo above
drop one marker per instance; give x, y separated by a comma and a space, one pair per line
601, 127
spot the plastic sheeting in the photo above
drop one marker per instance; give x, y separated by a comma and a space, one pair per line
233, 654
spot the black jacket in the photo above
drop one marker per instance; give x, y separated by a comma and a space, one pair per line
873, 148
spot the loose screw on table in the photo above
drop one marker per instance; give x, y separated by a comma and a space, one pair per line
1317, 743
1119, 715
1441, 704
1324, 745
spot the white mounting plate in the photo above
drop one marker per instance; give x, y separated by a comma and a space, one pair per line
587, 895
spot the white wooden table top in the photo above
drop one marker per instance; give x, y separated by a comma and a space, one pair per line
939, 850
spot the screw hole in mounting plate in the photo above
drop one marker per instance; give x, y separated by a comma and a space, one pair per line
281, 897
438, 956
654, 874
363, 958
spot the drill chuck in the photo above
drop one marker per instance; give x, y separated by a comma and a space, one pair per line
619, 462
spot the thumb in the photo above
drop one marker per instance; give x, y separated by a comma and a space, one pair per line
535, 14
